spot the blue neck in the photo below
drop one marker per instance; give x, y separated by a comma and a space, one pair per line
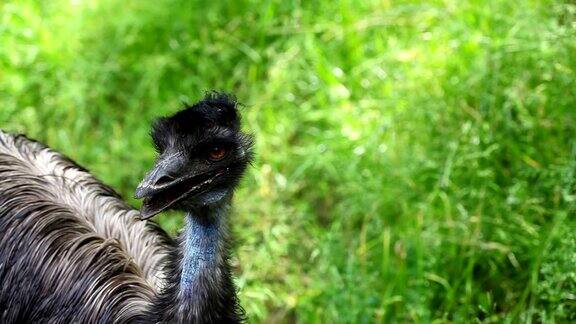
205, 292
202, 236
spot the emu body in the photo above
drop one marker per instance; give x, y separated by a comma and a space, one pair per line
72, 251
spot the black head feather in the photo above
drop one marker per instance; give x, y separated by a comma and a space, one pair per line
216, 109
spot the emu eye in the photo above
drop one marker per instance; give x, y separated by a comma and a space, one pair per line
217, 153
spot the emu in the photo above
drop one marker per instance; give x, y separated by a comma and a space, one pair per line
71, 251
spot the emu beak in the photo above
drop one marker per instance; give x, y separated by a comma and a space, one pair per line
157, 181
161, 190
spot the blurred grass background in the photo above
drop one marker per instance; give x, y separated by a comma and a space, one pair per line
416, 160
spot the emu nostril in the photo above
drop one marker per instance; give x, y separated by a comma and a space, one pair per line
164, 180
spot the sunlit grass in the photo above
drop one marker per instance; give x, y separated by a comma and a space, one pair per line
415, 159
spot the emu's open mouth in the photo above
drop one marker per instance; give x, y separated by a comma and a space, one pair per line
167, 195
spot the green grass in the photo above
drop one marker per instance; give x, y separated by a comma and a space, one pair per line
416, 160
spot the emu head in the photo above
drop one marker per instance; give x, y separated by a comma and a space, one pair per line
202, 154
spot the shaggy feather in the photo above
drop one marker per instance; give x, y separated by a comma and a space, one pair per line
69, 244
54, 177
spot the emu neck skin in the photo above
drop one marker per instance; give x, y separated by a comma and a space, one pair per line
201, 234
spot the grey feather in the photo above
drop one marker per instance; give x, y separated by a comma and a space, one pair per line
69, 242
